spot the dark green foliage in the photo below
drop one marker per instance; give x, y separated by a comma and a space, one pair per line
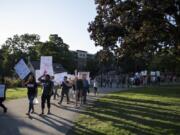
29, 45
137, 29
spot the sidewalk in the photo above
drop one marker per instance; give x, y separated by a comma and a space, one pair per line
15, 122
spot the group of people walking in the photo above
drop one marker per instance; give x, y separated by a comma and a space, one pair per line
80, 87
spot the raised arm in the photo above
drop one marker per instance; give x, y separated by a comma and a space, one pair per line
40, 78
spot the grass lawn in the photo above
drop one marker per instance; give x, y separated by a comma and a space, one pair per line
14, 93
143, 111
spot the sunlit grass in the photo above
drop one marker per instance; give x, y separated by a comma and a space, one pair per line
15, 93
143, 111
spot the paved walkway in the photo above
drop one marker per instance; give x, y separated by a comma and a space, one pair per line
15, 122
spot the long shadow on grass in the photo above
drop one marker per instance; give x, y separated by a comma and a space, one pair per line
129, 115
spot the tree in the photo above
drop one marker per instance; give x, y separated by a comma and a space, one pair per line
15, 48
58, 49
137, 27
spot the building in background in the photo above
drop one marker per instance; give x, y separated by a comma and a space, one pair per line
81, 58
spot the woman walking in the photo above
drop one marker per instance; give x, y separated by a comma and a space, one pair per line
31, 93
48, 86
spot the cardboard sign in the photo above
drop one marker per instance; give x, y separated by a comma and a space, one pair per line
2, 90
46, 66
86, 74
22, 69
153, 73
71, 77
60, 77
144, 73
158, 73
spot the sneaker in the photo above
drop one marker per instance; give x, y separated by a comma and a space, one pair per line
32, 111
28, 114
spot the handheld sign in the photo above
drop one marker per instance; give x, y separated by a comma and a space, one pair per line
153, 73
46, 66
144, 73
22, 69
2, 90
84, 74
60, 77
158, 73
71, 77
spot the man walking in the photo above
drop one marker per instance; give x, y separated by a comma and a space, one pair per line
65, 90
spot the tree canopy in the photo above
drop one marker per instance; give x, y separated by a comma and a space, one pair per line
137, 28
29, 45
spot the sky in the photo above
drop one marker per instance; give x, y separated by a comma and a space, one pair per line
67, 18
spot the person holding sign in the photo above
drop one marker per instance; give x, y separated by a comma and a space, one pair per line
47, 92
3, 95
65, 90
32, 90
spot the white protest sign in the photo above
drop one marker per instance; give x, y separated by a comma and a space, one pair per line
71, 77
153, 73
144, 73
86, 74
22, 69
59, 77
158, 73
37, 75
76, 73
2, 90
46, 66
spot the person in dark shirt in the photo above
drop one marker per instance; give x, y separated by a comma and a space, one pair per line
47, 92
31, 92
65, 90
85, 88
2, 99
79, 90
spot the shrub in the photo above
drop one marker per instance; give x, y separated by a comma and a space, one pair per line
13, 82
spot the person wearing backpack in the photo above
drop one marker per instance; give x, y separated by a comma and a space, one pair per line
65, 90
47, 92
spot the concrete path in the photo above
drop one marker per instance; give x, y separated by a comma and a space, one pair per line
15, 122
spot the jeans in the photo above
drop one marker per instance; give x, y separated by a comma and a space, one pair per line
56, 91
64, 92
31, 104
84, 95
43, 101
1, 104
